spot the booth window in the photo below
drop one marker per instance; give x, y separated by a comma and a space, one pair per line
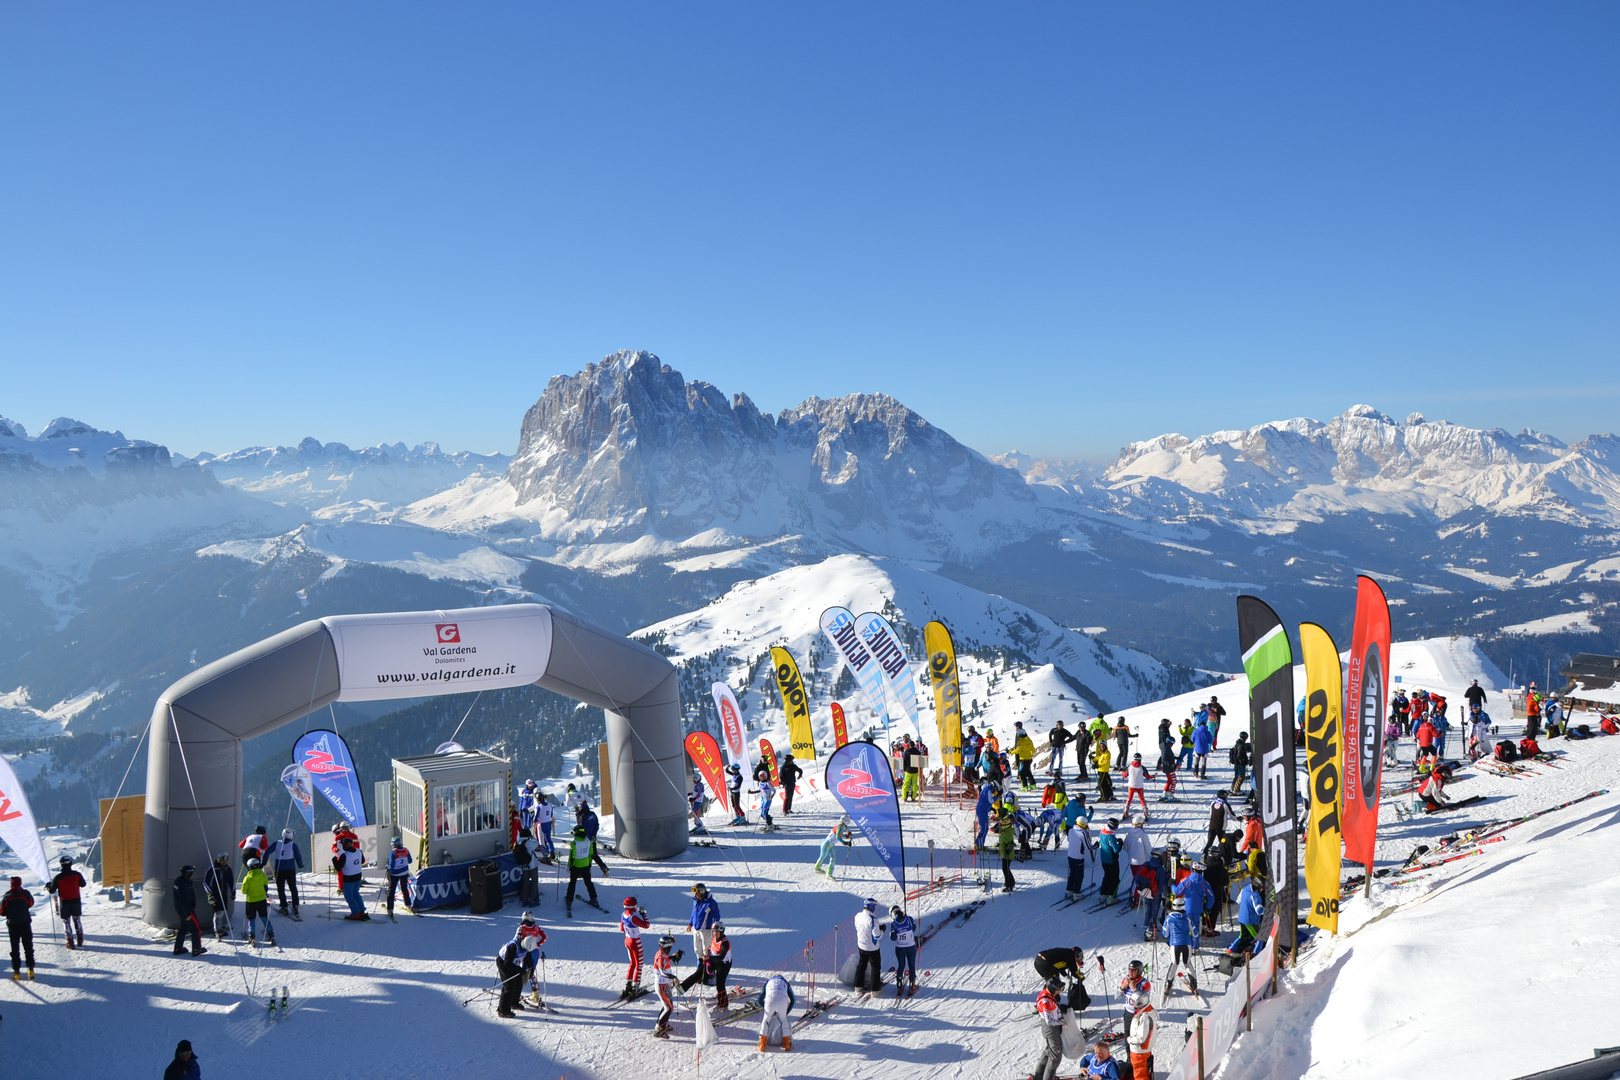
460, 809
409, 811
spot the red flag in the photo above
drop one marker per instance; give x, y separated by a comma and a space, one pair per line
705, 754
769, 755
840, 728
1365, 701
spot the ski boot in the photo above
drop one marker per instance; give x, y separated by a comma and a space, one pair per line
628, 991
661, 1031
80, 944
16, 976
30, 972
723, 1000
762, 1042
252, 942
787, 1042
282, 910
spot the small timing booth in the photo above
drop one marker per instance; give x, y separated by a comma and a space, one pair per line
452, 813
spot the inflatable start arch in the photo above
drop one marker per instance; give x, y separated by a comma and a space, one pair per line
194, 759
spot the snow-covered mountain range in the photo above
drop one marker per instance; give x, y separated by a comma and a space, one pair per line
637, 496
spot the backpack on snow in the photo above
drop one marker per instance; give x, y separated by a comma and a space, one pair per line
1507, 751
1609, 726
1579, 731
1528, 747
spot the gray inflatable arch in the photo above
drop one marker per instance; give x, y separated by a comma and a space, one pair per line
194, 757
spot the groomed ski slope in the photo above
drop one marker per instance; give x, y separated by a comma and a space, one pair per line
1420, 992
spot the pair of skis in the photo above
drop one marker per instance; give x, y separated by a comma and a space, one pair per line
278, 1008
1068, 902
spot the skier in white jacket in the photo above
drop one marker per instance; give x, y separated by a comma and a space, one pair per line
1139, 850
868, 934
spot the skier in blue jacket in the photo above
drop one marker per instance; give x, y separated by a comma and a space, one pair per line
1203, 743
1178, 931
1251, 908
286, 860
1196, 892
903, 932
986, 797
705, 915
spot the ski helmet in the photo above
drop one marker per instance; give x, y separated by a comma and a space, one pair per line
253, 864
1138, 820
286, 834
1139, 999
221, 857
187, 870
870, 904
895, 911
1136, 965
629, 901
67, 861
1198, 865
1178, 904
579, 832
528, 943
1054, 985
395, 841
527, 920
1136, 757
665, 942
528, 783
1223, 793
700, 889
719, 929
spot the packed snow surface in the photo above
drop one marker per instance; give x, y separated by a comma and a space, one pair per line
1415, 986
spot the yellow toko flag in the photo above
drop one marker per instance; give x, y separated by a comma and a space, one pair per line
1324, 751
795, 703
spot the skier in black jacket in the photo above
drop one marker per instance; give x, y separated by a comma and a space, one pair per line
1239, 757
185, 906
790, 774
17, 907
1059, 739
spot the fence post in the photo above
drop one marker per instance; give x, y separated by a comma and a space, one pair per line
1200, 1048
1248, 995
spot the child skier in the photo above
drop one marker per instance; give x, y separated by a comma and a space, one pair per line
664, 972
903, 932
1178, 931
631, 924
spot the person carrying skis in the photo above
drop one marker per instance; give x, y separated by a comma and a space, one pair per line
903, 932
1179, 932
349, 864
1024, 753
68, 886
286, 860
185, 907
219, 886
1136, 778
1239, 757
1134, 982
838, 834
767, 792
1219, 811
695, 799
868, 933
1108, 849
399, 873
514, 963
1139, 1040
1050, 1011
1099, 1064
664, 973
789, 774
734, 784
17, 908
1203, 743
581, 853
256, 892
775, 1002
631, 923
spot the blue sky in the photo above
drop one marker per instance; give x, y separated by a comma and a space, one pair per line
1058, 227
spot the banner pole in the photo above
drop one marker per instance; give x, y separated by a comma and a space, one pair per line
1200, 1048
1248, 994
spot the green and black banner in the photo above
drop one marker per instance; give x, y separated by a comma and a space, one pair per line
1269, 663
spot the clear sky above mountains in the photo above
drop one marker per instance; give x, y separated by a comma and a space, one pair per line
1057, 227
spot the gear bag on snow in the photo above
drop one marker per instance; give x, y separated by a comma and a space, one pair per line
1507, 751
1609, 726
